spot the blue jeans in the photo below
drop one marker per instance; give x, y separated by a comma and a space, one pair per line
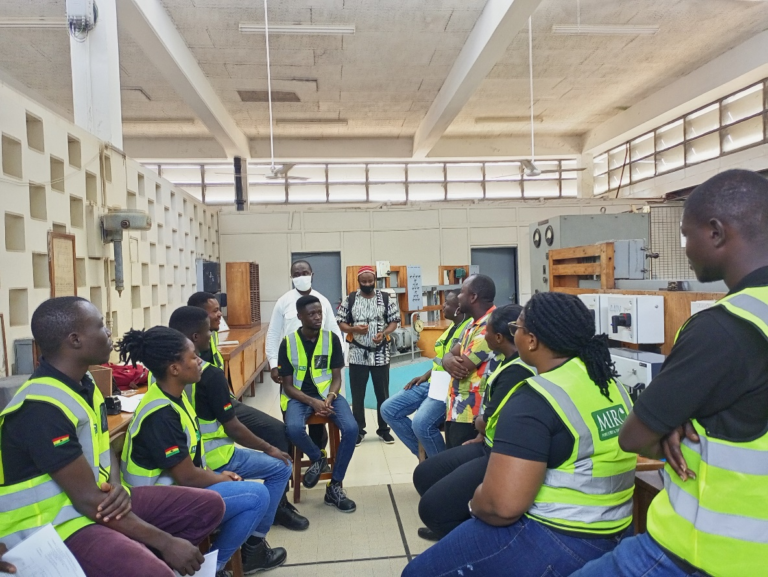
637, 556
246, 503
250, 464
296, 416
430, 414
524, 549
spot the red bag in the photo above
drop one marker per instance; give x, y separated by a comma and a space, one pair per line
127, 376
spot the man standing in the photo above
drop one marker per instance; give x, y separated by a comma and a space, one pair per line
712, 519
468, 360
310, 362
56, 465
370, 317
256, 421
430, 412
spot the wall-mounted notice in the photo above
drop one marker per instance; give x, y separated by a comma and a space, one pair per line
61, 264
415, 300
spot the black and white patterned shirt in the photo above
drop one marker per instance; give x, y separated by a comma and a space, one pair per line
369, 312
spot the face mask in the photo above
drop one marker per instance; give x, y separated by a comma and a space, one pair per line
367, 289
302, 283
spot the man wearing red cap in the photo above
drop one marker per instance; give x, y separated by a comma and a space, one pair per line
369, 315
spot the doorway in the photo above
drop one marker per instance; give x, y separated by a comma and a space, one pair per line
499, 263
326, 267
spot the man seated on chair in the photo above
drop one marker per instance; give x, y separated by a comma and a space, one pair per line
310, 363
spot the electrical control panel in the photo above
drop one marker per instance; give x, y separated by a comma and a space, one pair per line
636, 369
698, 306
596, 303
637, 319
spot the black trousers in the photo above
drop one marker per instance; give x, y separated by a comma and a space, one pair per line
447, 482
358, 381
456, 434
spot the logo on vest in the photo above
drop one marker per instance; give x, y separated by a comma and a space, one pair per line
609, 421
302, 367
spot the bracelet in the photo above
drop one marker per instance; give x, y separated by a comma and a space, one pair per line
335, 395
469, 506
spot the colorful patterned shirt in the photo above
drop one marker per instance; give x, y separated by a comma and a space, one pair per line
465, 397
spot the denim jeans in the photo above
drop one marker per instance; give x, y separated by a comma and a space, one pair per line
246, 503
637, 556
430, 414
526, 548
250, 464
296, 416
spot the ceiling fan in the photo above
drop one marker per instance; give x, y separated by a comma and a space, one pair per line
528, 167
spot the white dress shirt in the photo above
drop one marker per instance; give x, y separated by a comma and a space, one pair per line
285, 321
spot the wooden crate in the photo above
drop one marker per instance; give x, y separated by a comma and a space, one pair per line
243, 295
567, 265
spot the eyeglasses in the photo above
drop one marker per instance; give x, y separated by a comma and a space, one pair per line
513, 327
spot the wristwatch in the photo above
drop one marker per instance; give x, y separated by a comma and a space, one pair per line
469, 506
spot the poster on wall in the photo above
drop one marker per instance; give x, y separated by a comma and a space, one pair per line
61, 264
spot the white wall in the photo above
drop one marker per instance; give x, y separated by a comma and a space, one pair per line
429, 235
159, 264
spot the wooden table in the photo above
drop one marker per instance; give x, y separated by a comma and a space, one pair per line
246, 360
118, 424
429, 336
647, 485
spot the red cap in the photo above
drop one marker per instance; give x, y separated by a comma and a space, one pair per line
365, 269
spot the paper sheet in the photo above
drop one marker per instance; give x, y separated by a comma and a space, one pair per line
208, 568
130, 404
439, 382
44, 555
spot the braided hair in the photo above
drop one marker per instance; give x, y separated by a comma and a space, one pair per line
565, 325
156, 348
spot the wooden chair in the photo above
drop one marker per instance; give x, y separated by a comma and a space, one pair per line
334, 437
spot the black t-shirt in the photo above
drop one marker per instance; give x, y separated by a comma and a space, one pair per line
207, 356
717, 372
39, 438
502, 384
285, 368
162, 442
213, 401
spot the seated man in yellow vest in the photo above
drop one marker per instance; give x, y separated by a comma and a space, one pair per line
713, 518
221, 429
310, 362
56, 465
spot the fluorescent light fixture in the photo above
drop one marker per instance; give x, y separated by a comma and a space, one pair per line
311, 121
605, 30
307, 29
42, 22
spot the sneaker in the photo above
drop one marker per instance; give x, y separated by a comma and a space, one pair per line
335, 496
259, 556
387, 437
312, 476
223, 573
327, 468
428, 534
287, 516
360, 437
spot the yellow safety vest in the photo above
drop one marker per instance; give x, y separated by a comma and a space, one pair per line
446, 341
591, 492
32, 504
218, 360
718, 522
492, 420
135, 475
321, 373
219, 447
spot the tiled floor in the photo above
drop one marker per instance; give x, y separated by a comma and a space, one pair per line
369, 541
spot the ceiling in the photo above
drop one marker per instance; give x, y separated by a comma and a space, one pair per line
383, 79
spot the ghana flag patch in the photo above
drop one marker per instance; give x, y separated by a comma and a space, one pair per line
228, 406
171, 451
59, 441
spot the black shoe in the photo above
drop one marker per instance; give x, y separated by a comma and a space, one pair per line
387, 437
335, 496
360, 437
428, 534
312, 476
287, 516
327, 468
259, 556
223, 573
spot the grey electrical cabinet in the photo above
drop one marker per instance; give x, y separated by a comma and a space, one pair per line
577, 230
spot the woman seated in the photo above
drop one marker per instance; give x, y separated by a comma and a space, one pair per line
448, 480
557, 491
163, 444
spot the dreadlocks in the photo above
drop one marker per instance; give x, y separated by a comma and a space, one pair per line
564, 324
156, 348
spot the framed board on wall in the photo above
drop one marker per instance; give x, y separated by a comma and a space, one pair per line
61, 264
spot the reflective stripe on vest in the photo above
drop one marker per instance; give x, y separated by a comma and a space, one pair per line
218, 360
592, 491
31, 504
492, 420
321, 377
445, 344
135, 475
219, 447
718, 521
